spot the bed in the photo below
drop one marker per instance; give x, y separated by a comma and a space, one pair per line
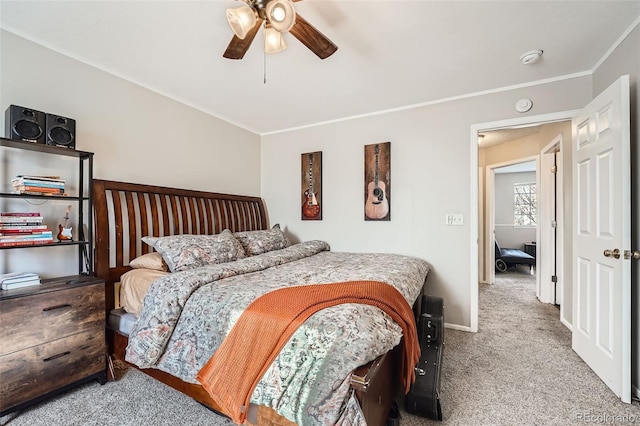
360, 387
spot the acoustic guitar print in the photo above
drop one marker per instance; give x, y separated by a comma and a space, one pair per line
377, 204
310, 206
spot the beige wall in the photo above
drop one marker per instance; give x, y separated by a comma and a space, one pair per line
136, 135
626, 60
431, 175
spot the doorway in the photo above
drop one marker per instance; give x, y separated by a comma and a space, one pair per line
511, 205
598, 214
522, 204
523, 140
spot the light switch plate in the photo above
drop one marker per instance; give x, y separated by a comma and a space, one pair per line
454, 219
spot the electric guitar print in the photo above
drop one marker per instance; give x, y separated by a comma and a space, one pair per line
310, 206
65, 231
377, 205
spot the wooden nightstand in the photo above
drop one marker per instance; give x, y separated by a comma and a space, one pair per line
52, 337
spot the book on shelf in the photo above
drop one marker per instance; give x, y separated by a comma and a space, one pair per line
36, 182
18, 279
13, 277
12, 233
16, 276
20, 220
28, 283
19, 214
51, 194
53, 178
22, 278
23, 188
46, 235
25, 222
25, 242
17, 230
43, 235
18, 225
38, 179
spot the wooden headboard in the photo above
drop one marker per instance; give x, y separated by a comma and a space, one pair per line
126, 212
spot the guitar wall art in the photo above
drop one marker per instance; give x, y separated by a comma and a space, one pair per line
377, 178
311, 182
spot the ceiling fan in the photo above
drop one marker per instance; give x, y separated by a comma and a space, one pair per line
278, 17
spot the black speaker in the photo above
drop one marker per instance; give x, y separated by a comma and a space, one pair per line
61, 131
24, 124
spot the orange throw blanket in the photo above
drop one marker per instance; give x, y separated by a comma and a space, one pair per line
235, 369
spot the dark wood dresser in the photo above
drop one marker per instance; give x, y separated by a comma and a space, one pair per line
52, 337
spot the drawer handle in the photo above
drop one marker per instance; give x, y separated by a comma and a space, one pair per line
51, 308
51, 358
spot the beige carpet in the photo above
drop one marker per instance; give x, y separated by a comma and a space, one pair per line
519, 369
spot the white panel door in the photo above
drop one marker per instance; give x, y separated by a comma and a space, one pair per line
601, 233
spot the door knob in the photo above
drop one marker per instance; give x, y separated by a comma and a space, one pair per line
632, 254
615, 253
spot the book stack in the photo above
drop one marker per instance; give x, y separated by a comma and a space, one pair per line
18, 279
38, 185
23, 229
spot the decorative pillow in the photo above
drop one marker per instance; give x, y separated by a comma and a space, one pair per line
258, 242
152, 261
183, 252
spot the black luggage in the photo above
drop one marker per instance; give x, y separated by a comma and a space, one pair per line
423, 398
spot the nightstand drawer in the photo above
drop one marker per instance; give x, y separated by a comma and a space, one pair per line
33, 320
35, 371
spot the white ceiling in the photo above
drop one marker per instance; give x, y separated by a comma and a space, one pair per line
391, 54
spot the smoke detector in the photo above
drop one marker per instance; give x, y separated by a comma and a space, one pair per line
531, 56
524, 105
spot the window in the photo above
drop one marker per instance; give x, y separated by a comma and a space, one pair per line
524, 204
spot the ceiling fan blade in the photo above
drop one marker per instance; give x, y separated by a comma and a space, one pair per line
312, 38
239, 46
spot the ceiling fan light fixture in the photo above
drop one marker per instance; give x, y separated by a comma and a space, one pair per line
281, 14
241, 20
273, 40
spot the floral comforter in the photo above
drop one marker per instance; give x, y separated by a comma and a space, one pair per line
186, 315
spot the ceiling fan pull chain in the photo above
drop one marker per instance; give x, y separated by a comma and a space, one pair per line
264, 59
265, 68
